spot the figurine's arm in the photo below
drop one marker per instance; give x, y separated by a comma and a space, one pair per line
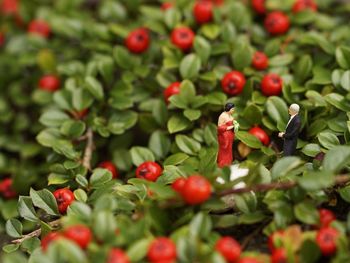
294, 130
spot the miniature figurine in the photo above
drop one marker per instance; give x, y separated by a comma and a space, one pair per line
290, 136
225, 131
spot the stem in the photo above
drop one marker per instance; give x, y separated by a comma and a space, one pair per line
35, 233
89, 149
339, 180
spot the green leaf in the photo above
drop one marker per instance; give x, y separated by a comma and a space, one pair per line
30, 244
122, 57
202, 48
72, 128
311, 149
178, 123
160, 144
192, 115
210, 31
121, 121
14, 228
338, 101
187, 144
216, 98
45, 200
285, 165
53, 118
281, 60
81, 99
313, 181
328, 139
190, 66
336, 159
310, 252
307, 213
172, 17
345, 80
138, 250
80, 210
26, 209
242, 56
81, 180
277, 109
303, 68
200, 225
159, 112
94, 87
248, 139
80, 195
140, 155
10, 248
345, 193
342, 55
104, 225
252, 114
176, 159
100, 177
70, 250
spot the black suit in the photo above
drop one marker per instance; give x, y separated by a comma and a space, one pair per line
291, 136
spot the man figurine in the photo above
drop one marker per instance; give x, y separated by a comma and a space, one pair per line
290, 136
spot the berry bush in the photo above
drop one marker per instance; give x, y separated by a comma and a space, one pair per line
108, 142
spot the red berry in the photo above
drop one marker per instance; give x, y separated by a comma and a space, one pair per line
39, 27
326, 217
259, 6
279, 256
197, 189
183, 38
6, 189
162, 249
178, 184
64, 198
45, 242
260, 61
116, 255
248, 260
138, 41
277, 23
111, 167
233, 83
260, 134
9, 7
229, 248
326, 240
302, 5
272, 239
167, 5
203, 11
149, 171
2, 39
271, 85
80, 234
49, 83
172, 89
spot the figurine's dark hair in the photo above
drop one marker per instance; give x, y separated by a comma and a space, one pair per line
229, 106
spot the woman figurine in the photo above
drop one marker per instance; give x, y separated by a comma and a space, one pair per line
225, 130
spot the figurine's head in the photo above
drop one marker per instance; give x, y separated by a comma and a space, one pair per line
293, 109
230, 107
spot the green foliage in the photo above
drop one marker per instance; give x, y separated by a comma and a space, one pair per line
110, 106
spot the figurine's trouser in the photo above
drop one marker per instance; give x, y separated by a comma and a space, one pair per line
289, 146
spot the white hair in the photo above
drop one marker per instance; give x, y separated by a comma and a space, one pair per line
295, 107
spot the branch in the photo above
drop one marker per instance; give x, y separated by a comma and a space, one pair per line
89, 149
35, 233
339, 180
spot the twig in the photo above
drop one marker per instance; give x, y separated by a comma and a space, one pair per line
89, 149
339, 180
35, 233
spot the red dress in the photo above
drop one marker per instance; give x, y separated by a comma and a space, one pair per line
225, 140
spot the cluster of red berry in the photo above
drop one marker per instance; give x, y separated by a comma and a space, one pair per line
326, 238
6, 189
